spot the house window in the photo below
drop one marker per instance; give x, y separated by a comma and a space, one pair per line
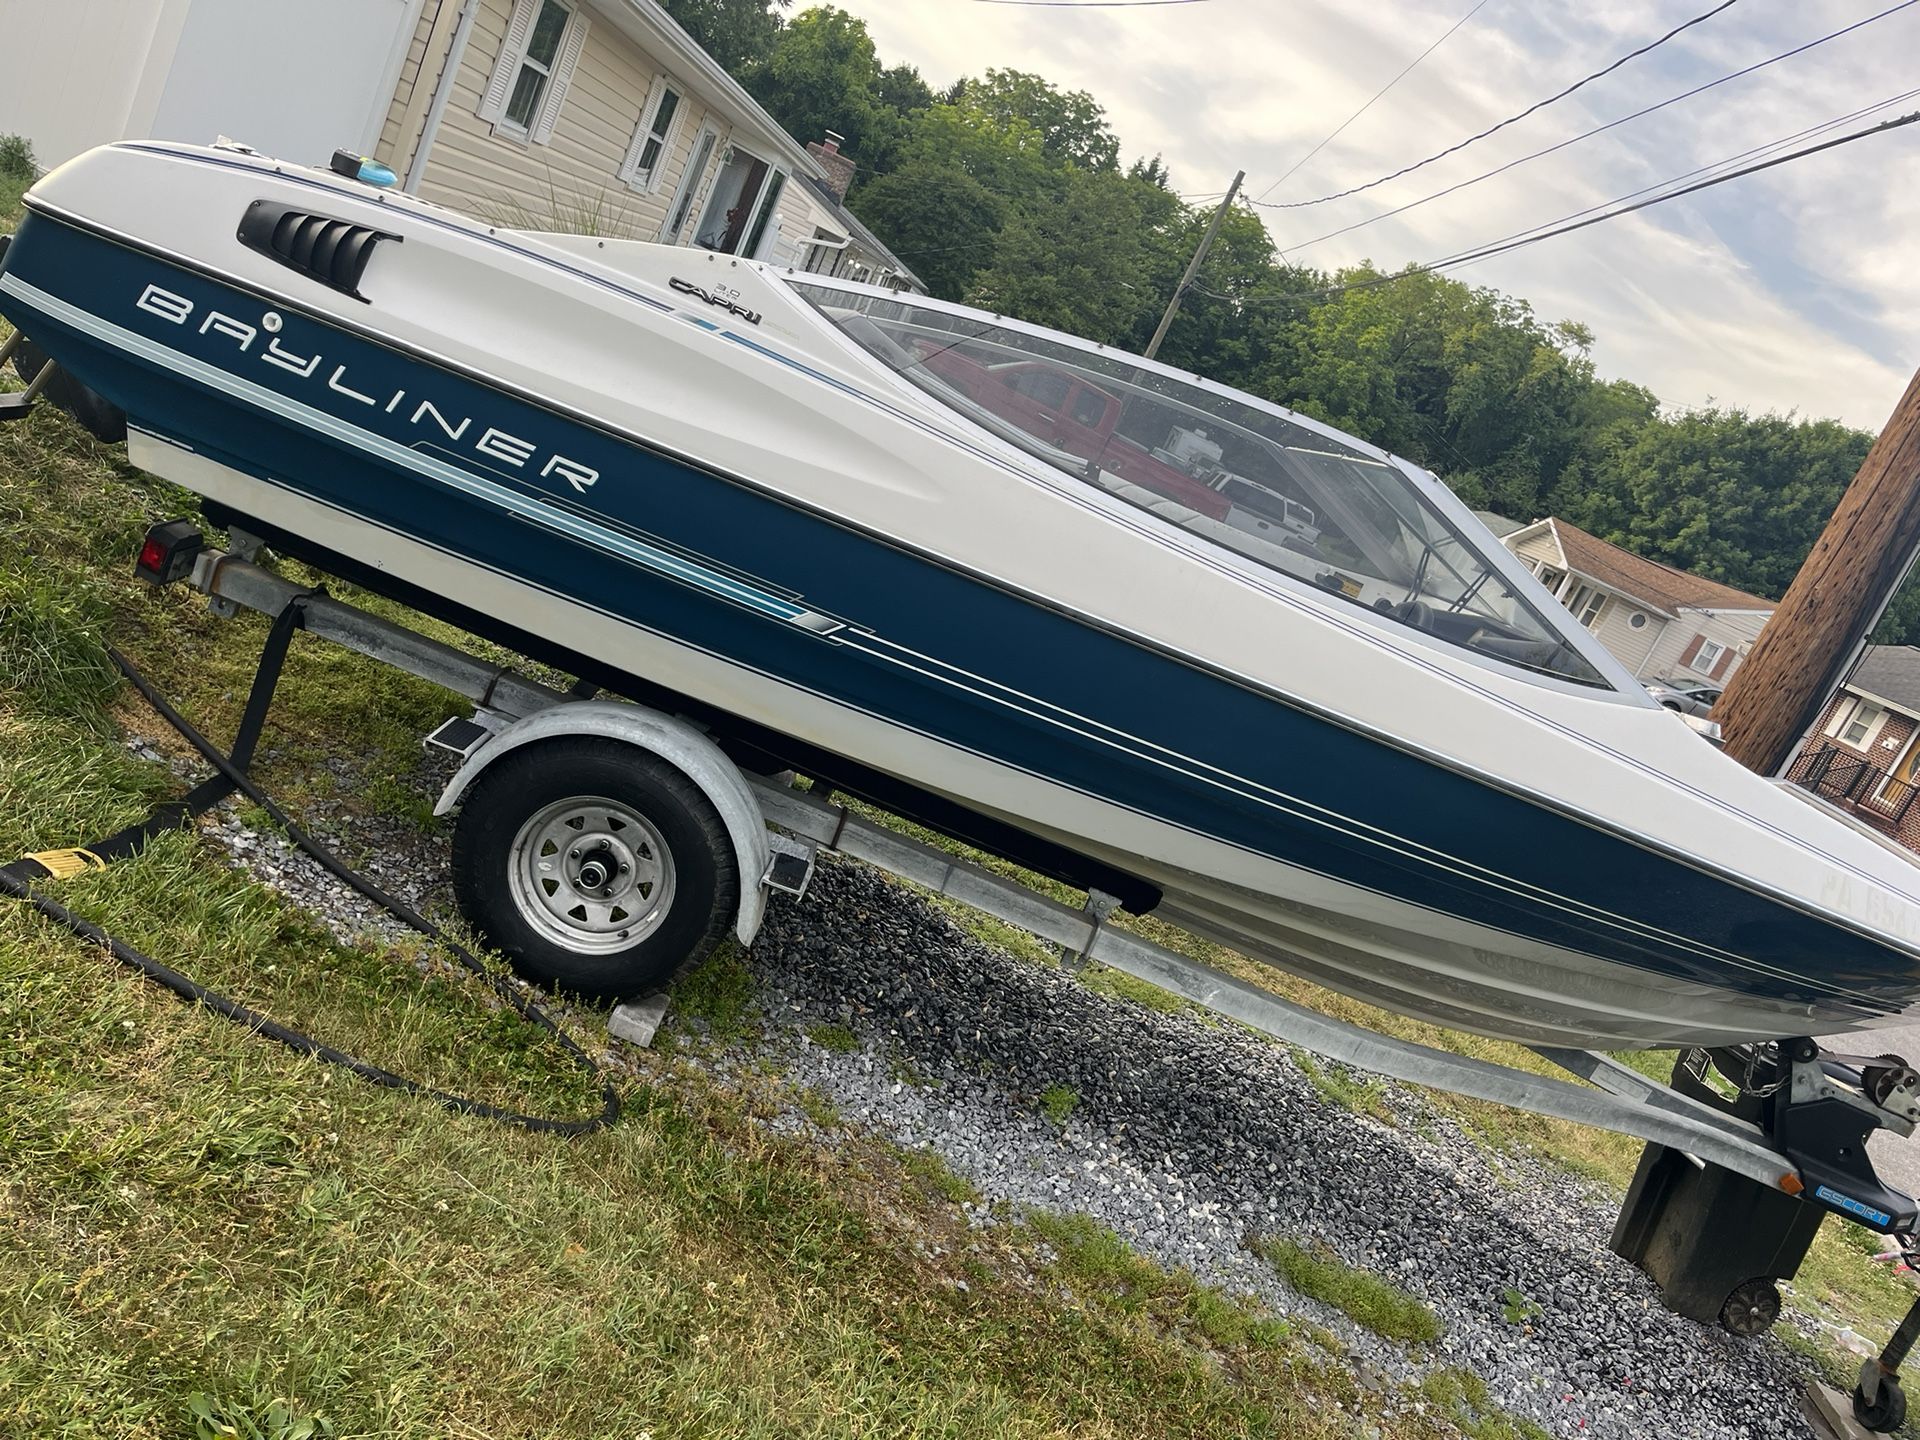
1586, 603
1637, 620
1855, 722
690, 179
645, 164
536, 66
529, 85
1707, 656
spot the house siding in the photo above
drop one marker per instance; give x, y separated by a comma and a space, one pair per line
414, 93
1538, 550
1615, 630
1735, 629
573, 181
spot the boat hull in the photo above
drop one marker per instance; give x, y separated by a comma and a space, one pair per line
1455, 900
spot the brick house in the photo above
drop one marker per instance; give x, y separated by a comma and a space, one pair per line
1659, 622
1863, 754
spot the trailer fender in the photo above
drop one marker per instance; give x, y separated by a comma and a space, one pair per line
674, 741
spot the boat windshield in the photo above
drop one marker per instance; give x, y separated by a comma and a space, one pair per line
1265, 487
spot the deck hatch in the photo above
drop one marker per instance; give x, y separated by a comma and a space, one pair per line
334, 252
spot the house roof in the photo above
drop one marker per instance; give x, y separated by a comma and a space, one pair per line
1890, 672
651, 26
860, 232
1499, 524
1661, 586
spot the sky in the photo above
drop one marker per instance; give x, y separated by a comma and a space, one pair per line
1792, 291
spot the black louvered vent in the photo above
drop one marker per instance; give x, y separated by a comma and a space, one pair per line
334, 252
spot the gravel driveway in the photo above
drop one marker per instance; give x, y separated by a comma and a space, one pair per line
1190, 1136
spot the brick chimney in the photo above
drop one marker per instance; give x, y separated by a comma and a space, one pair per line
838, 167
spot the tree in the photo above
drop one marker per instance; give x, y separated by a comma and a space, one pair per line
938, 219
740, 34
1733, 497
1006, 156
901, 89
1153, 171
822, 74
1073, 128
1083, 265
1227, 317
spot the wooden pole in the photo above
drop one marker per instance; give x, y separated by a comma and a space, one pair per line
1193, 265
1816, 635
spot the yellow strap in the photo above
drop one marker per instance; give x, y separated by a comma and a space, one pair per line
65, 864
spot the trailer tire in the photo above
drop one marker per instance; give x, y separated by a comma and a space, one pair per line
1886, 1412
595, 867
97, 415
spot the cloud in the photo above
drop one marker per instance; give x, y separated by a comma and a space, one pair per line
1793, 290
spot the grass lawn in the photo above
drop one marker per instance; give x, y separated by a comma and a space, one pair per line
201, 1227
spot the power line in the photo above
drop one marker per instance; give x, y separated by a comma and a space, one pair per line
1709, 168
1524, 238
1369, 105
1501, 247
1598, 129
1510, 120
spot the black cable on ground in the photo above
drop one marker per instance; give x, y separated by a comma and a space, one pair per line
14, 881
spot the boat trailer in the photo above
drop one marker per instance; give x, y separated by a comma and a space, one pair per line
1748, 1148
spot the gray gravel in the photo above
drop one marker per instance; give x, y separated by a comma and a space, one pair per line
1188, 1138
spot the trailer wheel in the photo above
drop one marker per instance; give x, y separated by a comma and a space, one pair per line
595, 867
1752, 1307
1888, 1410
97, 415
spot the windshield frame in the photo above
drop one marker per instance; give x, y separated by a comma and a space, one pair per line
1616, 682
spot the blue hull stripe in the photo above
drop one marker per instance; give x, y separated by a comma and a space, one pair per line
1461, 848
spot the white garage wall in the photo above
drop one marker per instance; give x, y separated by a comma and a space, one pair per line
292, 78
78, 73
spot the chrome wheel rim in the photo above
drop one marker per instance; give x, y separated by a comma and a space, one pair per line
591, 874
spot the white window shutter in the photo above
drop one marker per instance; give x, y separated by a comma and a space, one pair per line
506, 69
630, 166
570, 49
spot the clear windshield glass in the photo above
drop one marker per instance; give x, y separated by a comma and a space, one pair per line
1242, 477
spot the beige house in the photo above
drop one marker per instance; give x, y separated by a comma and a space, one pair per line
604, 115
591, 115
1661, 623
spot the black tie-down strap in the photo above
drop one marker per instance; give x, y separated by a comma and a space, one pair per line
230, 777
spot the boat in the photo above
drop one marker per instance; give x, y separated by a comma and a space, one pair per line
1123, 625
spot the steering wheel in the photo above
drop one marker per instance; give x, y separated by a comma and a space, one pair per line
1418, 614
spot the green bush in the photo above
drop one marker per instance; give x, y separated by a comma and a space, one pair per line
16, 158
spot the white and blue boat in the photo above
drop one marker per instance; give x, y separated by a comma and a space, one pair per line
1132, 628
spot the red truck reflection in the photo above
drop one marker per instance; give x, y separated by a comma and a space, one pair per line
1062, 408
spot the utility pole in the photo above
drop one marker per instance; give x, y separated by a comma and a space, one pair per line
1193, 265
1817, 634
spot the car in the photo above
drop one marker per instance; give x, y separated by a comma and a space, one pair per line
1689, 697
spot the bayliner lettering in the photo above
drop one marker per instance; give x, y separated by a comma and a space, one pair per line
487, 440
734, 307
